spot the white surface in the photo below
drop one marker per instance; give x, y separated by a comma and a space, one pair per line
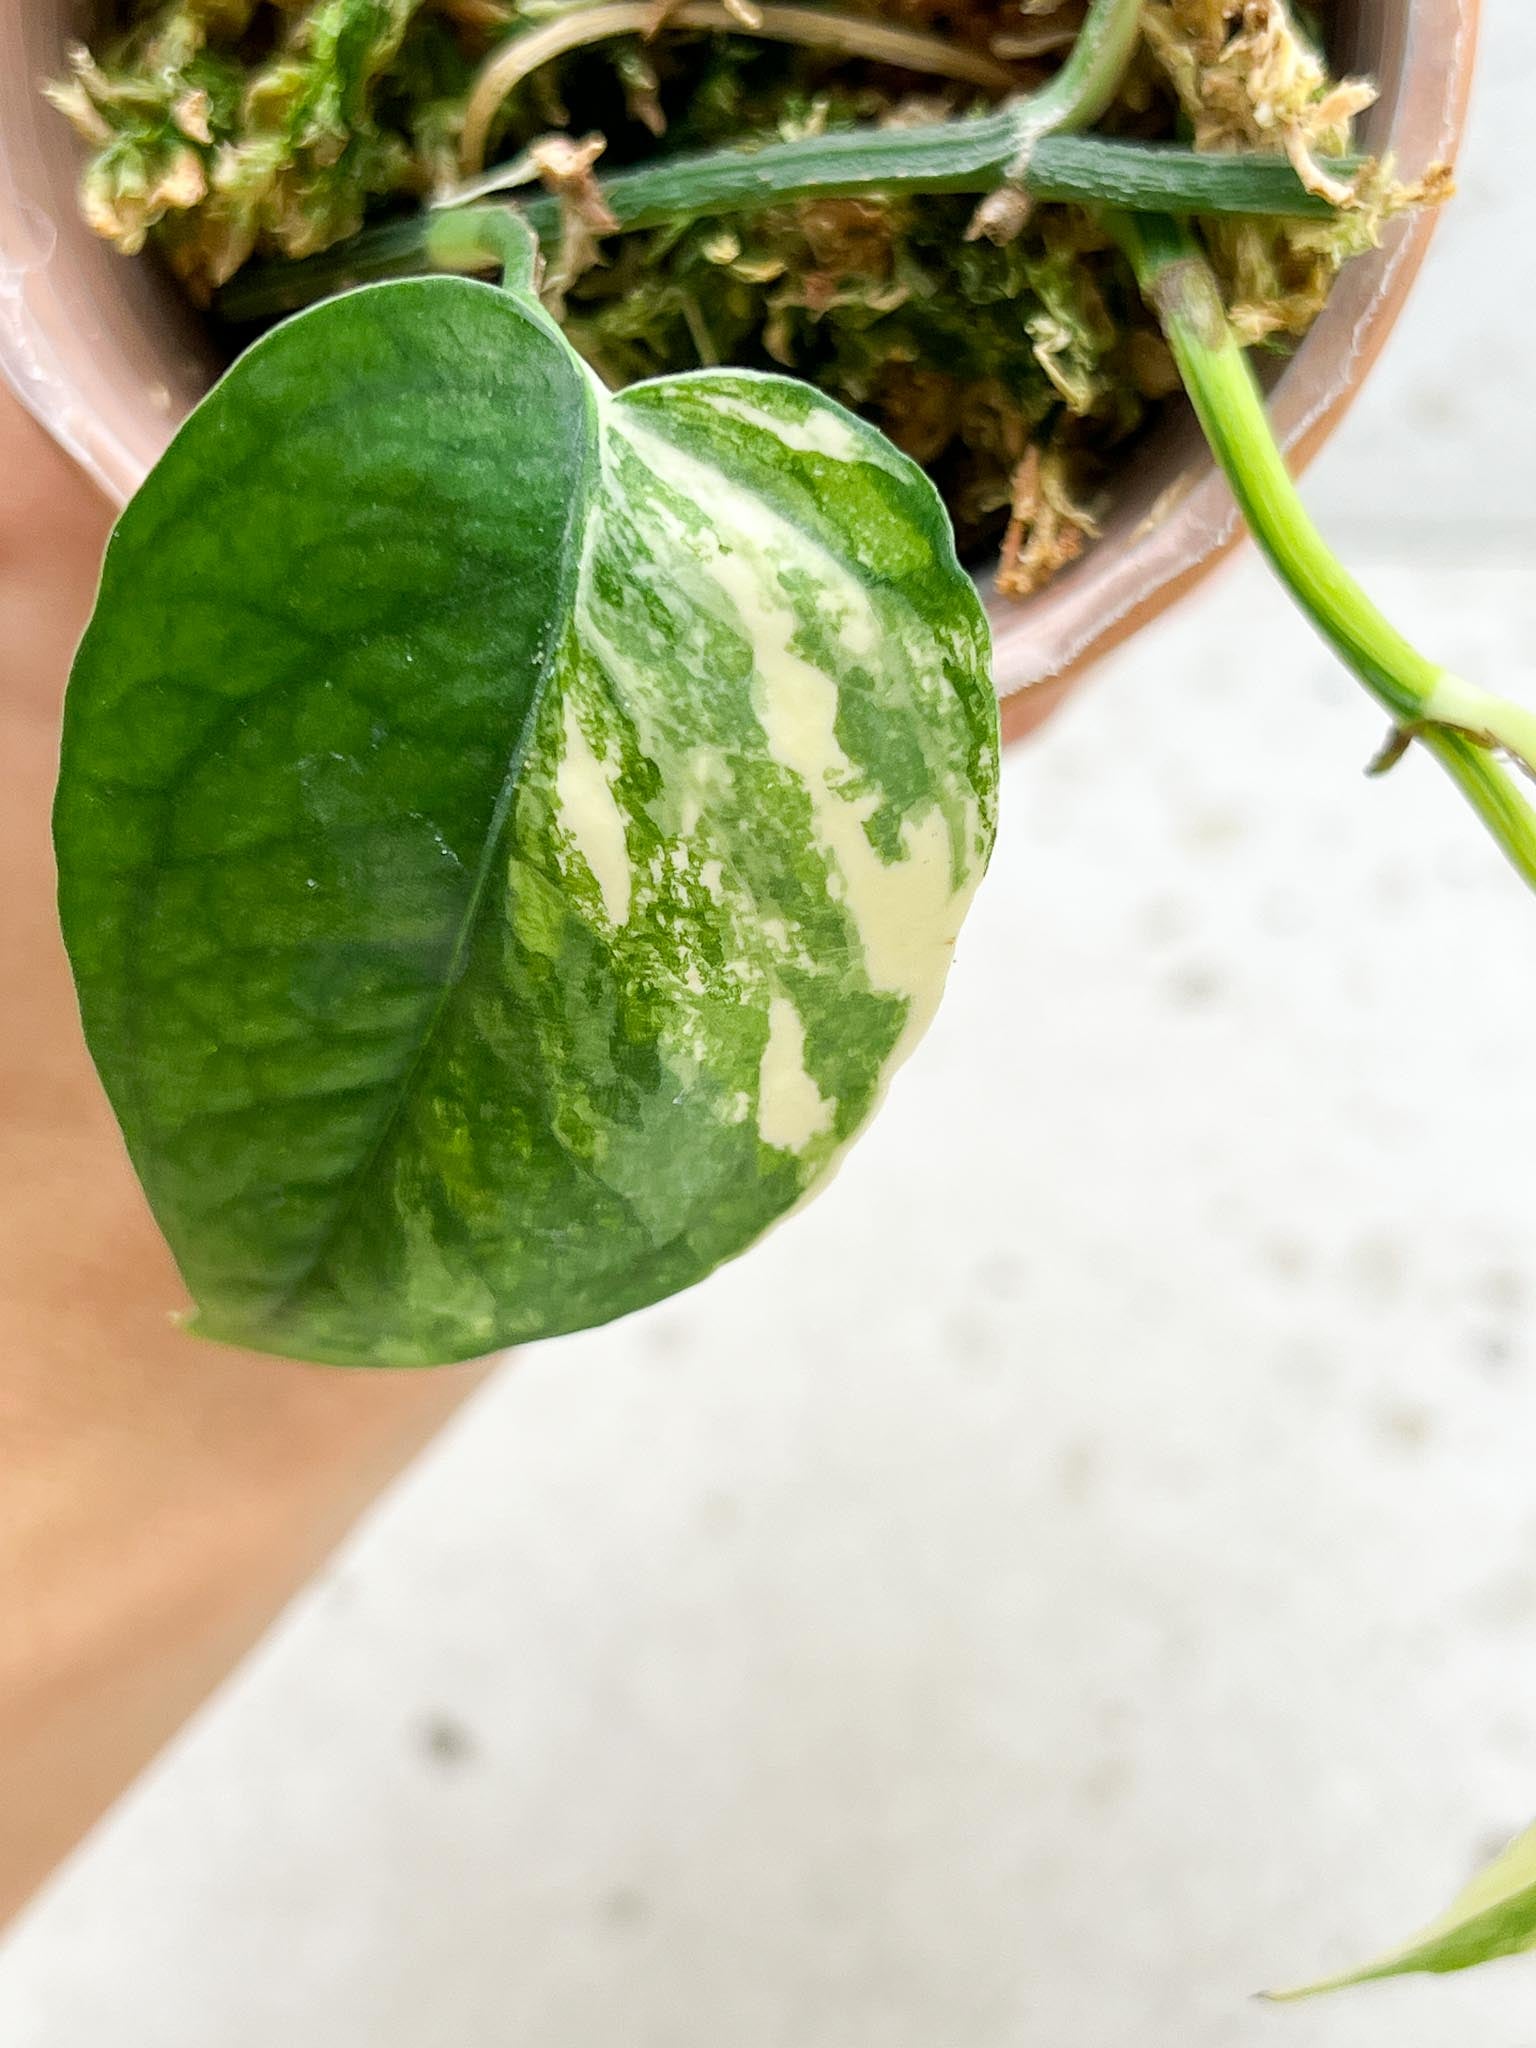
1081, 1570
1444, 442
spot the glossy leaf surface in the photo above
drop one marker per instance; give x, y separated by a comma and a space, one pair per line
508, 834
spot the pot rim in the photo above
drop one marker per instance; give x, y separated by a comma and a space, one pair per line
1183, 521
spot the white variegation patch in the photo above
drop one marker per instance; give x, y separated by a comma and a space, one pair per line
907, 912
590, 815
819, 430
791, 1109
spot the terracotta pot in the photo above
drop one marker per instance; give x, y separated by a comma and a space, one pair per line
106, 355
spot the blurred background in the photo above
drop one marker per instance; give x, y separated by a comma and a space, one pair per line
1081, 1571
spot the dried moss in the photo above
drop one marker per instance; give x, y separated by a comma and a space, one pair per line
1015, 369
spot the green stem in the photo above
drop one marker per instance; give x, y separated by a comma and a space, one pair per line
1024, 144
1074, 98
1086, 84
973, 156
969, 156
478, 238
1455, 720
847, 35
481, 238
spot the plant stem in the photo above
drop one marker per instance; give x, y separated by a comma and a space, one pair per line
482, 238
1025, 144
1074, 98
851, 35
973, 156
1455, 720
1086, 84
969, 156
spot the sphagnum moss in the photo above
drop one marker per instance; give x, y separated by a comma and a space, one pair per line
1011, 353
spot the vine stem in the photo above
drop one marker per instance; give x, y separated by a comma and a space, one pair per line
484, 238
1024, 144
1085, 85
1457, 721
974, 156
850, 35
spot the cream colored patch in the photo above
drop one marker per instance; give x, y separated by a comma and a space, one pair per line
791, 1109
712, 879
590, 814
907, 912
821, 431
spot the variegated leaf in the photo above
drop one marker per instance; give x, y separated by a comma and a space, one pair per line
508, 834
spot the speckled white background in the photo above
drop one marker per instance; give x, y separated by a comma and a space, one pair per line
1082, 1570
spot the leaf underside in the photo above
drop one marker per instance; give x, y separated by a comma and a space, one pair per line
507, 834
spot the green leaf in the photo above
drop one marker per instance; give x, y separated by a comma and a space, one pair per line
508, 834
1494, 1916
